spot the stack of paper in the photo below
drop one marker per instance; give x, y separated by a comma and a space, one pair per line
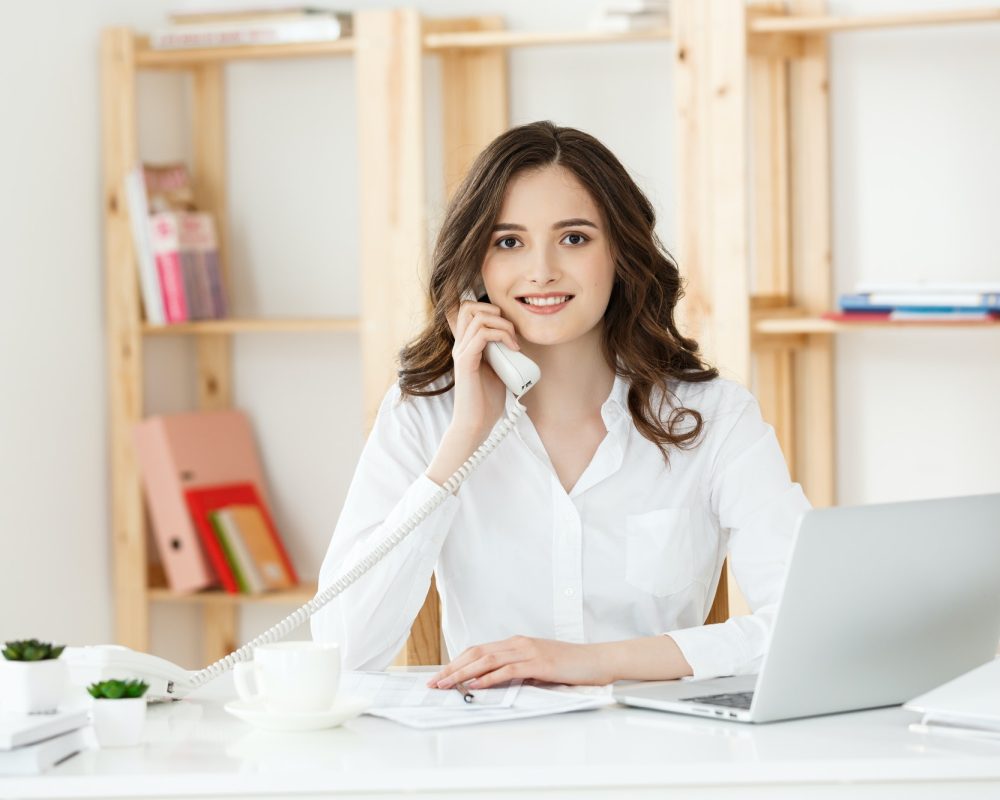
405, 698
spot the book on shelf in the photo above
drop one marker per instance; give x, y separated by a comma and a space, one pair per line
177, 251
187, 13
230, 547
936, 301
35, 758
168, 187
176, 452
313, 27
257, 557
621, 16
928, 287
187, 261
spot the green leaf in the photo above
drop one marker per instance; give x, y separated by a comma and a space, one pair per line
114, 690
31, 650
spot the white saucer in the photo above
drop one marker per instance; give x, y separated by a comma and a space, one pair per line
254, 712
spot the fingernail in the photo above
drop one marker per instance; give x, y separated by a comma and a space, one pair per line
474, 683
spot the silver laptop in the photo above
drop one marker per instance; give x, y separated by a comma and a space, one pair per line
881, 603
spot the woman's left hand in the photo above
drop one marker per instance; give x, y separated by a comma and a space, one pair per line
524, 657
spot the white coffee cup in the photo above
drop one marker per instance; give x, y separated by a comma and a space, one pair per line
291, 677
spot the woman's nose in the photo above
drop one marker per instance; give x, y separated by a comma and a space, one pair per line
543, 269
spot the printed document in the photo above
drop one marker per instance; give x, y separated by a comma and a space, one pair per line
404, 697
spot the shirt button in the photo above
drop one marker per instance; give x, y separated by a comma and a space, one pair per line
568, 591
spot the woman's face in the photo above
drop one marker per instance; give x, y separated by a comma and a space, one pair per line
548, 266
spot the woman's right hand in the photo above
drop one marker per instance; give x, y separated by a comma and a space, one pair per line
480, 395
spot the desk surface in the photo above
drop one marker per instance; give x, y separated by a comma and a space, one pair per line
193, 748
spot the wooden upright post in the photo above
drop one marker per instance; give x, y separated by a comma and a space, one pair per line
812, 259
474, 96
219, 635
393, 224
120, 153
769, 193
389, 51
710, 77
709, 86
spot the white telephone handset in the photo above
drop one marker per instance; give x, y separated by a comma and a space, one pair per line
515, 369
167, 681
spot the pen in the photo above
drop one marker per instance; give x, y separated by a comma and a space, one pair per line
463, 690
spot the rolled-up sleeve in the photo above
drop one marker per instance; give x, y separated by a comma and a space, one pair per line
372, 618
756, 501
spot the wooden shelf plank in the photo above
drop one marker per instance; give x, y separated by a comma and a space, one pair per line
253, 326
783, 326
833, 24
297, 596
484, 39
148, 58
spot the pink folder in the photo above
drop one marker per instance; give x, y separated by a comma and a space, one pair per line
184, 451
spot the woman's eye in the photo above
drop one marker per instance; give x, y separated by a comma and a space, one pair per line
508, 243
578, 237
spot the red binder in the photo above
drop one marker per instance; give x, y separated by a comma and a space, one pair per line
201, 502
177, 452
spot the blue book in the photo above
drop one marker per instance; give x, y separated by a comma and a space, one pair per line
938, 302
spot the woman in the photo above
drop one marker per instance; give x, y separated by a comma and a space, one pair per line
588, 546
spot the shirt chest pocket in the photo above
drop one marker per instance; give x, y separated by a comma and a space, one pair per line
665, 551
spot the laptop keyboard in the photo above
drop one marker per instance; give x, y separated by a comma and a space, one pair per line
730, 700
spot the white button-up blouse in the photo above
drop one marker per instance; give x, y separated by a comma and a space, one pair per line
635, 549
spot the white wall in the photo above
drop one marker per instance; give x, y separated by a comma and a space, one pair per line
915, 177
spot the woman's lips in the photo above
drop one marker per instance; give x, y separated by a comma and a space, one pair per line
546, 309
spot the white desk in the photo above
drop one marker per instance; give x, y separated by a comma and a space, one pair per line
195, 749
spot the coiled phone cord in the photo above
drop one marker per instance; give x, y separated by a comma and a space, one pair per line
304, 612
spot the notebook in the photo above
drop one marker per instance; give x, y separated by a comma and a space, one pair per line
40, 756
17, 730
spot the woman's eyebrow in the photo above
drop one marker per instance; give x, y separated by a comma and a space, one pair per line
576, 222
566, 223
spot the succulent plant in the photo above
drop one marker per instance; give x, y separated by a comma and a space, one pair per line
117, 690
31, 650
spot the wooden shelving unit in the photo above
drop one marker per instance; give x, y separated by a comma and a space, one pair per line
385, 320
777, 335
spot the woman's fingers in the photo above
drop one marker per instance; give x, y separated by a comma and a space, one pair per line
467, 310
481, 330
506, 673
487, 663
471, 655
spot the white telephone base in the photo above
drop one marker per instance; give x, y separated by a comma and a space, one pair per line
93, 663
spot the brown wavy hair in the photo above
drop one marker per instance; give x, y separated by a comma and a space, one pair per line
640, 339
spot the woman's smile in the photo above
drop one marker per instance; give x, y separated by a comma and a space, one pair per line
551, 303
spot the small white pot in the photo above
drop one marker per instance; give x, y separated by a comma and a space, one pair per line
119, 723
32, 687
